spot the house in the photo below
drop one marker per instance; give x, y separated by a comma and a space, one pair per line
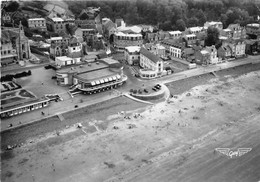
14, 45
218, 25
151, 65
146, 28
190, 39
119, 22
176, 50
202, 57
194, 30
75, 50
132, 55
63, 61
213, 54
253, 30
163, 35
225, 34
188, 54
88, 35
151, 36
59, 46
88, 18
236, 31
252, 46
158, 50
224, 52
175, 34
109, 28
37, 23
56, 25
123, 40
237, 46
167, 43
7, 17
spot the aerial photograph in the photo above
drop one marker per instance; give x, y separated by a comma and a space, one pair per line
130, 91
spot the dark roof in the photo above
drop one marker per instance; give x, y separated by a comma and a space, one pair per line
250, 42
170, 41
8, 34
73, 40
75, 55
109, 24
188, 51
149, 55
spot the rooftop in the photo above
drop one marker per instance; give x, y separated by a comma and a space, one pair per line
191, 35
64, 58
204, 52
57, 19
97, 74
254, 25
150, 55
56, 38
195, 29
175, 32
127, 35
36, 19
134, 29
83, 68
133, 48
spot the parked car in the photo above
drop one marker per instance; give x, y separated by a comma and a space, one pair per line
157, 87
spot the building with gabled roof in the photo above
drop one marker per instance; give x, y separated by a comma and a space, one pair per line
151, 65
132, 55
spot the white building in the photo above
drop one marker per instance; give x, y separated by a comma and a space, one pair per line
57, 25
175, 34
63, 61
152, 65
123, 40
195, 30
218, 25
158, 50
37, 23
176, 50
132, 55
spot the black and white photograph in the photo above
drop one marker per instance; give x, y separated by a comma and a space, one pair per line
130, 91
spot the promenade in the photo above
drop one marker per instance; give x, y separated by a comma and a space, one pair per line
69, 103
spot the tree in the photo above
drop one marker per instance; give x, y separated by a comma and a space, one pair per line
180, 24
212, 36
12, 6
192, 22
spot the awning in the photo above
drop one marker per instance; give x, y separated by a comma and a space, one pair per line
93, 83
106, 79
118, 76
102, 81
110, 78
97, 82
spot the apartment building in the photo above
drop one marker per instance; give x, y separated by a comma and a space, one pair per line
37, 23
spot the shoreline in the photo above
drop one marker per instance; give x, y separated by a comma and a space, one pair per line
176, 88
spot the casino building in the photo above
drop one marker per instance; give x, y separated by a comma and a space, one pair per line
94, 77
